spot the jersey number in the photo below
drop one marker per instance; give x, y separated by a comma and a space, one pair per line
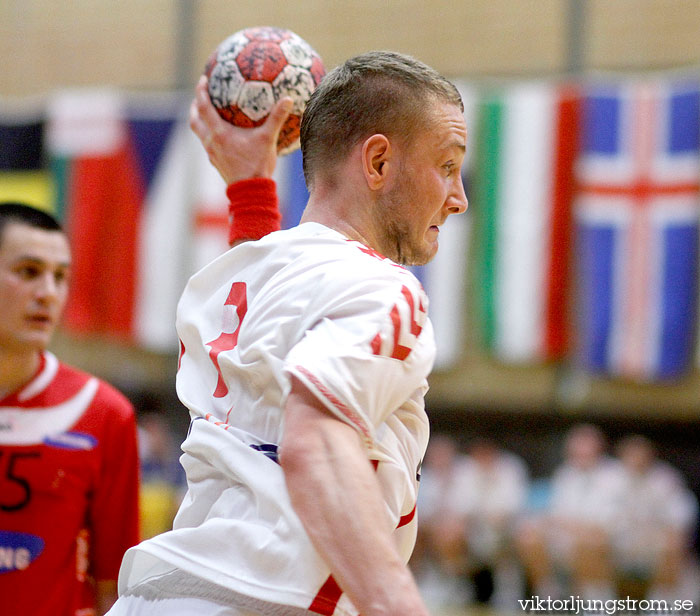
14, 475
235, 308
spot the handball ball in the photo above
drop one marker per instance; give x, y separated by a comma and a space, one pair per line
254, 68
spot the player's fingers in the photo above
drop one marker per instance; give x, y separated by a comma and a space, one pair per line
205, 108
201, 94
197, 106
195, 121
279, 114
197, 126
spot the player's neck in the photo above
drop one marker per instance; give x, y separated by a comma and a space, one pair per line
16, 369
345, 215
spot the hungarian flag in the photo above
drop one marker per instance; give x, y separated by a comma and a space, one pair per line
100, 200
637, 227
521, 196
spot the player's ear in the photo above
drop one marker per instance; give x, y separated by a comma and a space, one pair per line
376, 158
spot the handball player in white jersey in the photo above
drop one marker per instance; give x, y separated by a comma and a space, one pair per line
304, 359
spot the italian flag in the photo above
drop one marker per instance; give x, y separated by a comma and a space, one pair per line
521, 194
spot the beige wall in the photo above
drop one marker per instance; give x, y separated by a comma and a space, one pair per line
133, 43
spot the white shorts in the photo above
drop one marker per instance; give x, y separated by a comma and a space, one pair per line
139, 606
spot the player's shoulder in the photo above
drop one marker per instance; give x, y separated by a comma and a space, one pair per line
313, 261
322, 248
111, 398
106, 398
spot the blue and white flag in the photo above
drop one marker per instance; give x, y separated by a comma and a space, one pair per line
637, 227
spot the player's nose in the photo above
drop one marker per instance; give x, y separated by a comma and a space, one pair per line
46, 288
457, 202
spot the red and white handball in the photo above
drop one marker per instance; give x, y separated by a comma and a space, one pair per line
254, 68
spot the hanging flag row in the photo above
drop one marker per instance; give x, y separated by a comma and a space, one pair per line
580, 243
585, 206
137, 195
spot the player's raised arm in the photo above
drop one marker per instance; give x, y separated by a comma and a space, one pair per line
246, 159
237, 153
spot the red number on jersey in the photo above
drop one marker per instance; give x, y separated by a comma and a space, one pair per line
403, 329
235, 307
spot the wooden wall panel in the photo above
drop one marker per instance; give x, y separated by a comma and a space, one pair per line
133, 43
642, 34
125, 43
456, 37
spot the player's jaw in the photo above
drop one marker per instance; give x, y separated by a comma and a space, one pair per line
410, 243
411, 225
432, 236
431, 240
31, 330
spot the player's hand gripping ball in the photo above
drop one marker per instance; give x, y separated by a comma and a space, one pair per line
254, 68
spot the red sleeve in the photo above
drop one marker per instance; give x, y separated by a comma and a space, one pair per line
253, 209
114, 507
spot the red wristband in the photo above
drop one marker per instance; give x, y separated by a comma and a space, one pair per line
253, 209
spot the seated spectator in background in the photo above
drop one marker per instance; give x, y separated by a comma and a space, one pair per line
493, 494
162, 477
570, 541
654, 521
439, 558
468, 505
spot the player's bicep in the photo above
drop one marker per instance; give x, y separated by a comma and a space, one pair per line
309, 428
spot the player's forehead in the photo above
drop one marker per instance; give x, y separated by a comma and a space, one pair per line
445, 128
22, 242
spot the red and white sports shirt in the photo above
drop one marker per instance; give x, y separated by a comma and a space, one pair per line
353, 327
68, 491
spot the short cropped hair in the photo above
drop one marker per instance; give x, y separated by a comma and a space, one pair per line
14, 211
379, 92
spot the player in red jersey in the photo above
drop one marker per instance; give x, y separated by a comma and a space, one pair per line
68, 456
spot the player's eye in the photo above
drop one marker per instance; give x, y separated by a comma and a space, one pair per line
60, 276
28, 272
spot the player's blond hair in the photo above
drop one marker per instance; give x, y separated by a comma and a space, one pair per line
379, 92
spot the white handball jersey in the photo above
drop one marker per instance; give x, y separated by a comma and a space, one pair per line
353, 327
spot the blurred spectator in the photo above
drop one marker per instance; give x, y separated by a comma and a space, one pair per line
492, 494
162, 476
467, 507
439, 559
654, 522
568, 544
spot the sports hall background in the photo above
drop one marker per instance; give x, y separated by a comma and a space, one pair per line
160, 46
